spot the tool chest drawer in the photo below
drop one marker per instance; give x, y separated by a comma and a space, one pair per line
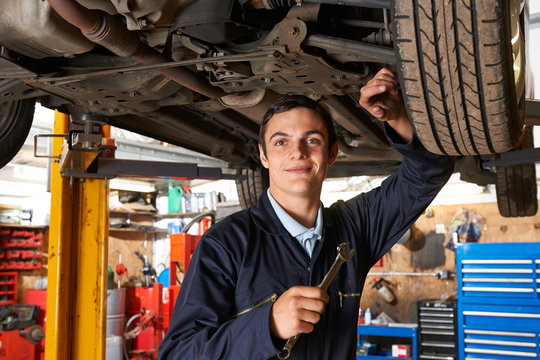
498, 273
437, 328
511, 331
498, 300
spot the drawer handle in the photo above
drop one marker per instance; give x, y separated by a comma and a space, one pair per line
437, 321
501, 352
498, 280
500, 342
435, 357
501, 314
437, 315
497, 261
497, 289
502, 271
432, 332
436, 309
438, 344
500, 333
440, 327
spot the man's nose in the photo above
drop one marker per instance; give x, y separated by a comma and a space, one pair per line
298, 150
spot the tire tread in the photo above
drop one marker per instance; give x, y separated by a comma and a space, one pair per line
458, 97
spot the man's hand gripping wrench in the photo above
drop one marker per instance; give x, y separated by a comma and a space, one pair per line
341, 257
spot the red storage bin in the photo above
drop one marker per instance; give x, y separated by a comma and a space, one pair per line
8, 288
39, 298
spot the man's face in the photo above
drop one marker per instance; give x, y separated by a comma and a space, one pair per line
297, 153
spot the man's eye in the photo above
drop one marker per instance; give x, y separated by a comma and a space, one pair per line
314, 141
279, 143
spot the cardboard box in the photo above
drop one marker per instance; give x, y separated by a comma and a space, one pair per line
401, 351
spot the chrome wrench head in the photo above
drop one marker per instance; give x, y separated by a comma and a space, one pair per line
345, 255
341, 258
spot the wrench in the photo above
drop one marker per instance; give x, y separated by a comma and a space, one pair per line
341, 257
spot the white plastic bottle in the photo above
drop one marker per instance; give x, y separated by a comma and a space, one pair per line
367, 317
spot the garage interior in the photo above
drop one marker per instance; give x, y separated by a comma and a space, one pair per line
461, 262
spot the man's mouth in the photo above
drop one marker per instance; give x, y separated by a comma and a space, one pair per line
299, 169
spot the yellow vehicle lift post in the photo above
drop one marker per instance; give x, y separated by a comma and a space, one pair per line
77, 274
79, 227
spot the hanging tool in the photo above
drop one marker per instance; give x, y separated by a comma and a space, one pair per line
148, 271
384, 291
120, 268
148, 318
440, 274
341, 258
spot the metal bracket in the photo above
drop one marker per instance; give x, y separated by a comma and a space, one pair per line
80, 141
46, 135
523, 156
518, 157
111, 168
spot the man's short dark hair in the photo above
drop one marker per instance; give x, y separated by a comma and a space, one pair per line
290, 102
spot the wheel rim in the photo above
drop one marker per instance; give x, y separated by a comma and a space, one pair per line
518, 48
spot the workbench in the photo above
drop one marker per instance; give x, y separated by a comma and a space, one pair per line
392, 330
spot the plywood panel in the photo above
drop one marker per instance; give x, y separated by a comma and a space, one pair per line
126, 242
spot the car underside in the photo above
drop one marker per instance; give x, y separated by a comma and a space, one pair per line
201, 74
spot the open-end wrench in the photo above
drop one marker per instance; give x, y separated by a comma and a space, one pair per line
341, 257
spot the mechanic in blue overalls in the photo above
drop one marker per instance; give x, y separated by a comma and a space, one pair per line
252, 281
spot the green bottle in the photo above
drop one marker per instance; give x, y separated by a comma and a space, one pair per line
110, 278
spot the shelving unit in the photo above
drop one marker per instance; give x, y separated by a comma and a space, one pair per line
179, 215
404, 331
138, 230
32, 227
8, 287
156, 215
21, 247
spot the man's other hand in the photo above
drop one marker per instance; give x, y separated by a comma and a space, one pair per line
381, 98
297, 311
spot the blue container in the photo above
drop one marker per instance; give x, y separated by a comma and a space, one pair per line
163, 277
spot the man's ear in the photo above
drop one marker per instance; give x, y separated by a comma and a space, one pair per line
332, 156
263, 158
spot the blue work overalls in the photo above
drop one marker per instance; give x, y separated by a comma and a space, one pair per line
243, 263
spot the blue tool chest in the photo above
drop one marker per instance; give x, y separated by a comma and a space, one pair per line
498, 300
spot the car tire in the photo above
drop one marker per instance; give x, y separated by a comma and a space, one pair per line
516, 186
516, 190
15, 123
455, 58
250, 189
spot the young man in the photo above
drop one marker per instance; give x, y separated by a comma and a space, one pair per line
252, 281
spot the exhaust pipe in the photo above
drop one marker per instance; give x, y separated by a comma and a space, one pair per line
362, 153
274, 4
109, 32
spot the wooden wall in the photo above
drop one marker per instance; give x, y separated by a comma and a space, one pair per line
425, 253
127, 241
